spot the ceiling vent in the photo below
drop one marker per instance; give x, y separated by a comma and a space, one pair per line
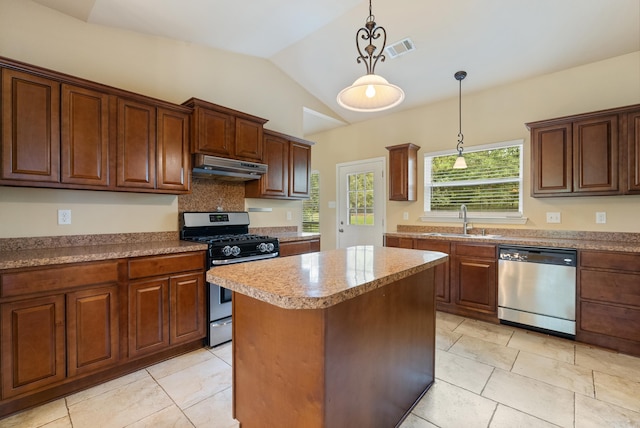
400, 48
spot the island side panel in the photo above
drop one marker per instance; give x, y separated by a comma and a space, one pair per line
362, 362
380, 353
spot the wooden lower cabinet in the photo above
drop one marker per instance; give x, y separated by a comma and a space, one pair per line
608, 311
467, 284
66, 327
292, 248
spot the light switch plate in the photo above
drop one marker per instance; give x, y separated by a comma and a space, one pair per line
405, 215
553, 217
64, 216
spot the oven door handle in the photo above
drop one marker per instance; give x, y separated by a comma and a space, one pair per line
244, 259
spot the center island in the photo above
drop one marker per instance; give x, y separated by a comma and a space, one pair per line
338, 338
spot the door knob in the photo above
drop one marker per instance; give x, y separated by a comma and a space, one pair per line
341, 230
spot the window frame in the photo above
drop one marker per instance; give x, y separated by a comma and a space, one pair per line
505, 217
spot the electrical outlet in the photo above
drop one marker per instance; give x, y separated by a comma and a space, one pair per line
288, 215
601, 217
553, 217
405, 215
64, 216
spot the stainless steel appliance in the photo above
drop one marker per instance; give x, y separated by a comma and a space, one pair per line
229, 242
537, 288
227, 169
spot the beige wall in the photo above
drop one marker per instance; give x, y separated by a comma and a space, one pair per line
491, 116
153, 66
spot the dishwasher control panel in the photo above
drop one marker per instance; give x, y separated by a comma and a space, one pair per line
551, 256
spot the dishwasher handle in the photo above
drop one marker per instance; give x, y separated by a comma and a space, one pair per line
541, 255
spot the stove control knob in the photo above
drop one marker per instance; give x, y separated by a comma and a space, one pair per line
226, 250
270, 247
262, 247
235, 250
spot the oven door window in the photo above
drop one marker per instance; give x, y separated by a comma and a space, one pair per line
225, 295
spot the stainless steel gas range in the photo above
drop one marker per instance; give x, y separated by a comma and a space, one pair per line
227, 234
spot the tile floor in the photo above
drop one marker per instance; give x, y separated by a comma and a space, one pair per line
486, 376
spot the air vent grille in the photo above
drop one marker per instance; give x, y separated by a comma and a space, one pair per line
400, 48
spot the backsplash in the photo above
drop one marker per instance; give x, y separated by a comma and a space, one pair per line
209, 195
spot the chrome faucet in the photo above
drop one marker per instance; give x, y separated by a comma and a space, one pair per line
463, 215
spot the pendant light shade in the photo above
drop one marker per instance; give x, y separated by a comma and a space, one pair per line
460, 162
370, 92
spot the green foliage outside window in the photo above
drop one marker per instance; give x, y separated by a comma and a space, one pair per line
311, 206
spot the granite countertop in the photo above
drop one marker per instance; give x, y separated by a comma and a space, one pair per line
602, 241
322, 279
87, 253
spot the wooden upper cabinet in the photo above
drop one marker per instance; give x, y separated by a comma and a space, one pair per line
299, 169
587, 154
30, 127
173, 159
595, 155
403, 172
632, 122
289, 162
136, 144
85, 136
224, 132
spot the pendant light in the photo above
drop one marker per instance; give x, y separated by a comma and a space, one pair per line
460, 162
370, 92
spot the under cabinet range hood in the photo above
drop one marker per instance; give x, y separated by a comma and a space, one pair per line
213, 167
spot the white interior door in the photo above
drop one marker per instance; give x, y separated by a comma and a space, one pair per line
361, 202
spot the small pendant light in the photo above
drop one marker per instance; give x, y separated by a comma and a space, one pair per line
460, 162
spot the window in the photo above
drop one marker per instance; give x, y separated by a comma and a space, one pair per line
491, 186
311, 206
361, 198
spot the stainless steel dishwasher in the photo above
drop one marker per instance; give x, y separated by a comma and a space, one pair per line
537, 288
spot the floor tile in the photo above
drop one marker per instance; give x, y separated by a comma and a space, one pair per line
107, 386
506, 417
617, 390
592, 413
531, 396
58, 423
198, 382
170, 416
606, 361
462, 372
179, 363
495, 333
568, 376
445, 338
213, 412
37, 416
225, 352
446, 405
543, 344
412, 421
485, 352
448, 321
121, 406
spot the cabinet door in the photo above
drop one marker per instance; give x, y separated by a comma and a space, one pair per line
30, 127
403, 170
595, 155
173, 150
213, 133
85, 136
633, 152
299, 169
92, 329
187, 308
248, 144
443, 293
148, 316
551, 160
136, 154
275, 183
474, 284
33, 344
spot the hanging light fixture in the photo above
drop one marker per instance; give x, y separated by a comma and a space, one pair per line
370, 92
460, 162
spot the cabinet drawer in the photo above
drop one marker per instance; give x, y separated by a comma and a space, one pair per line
395, 241
431, 245
299, 247
164, 265
608, 260
614, 287
610, 320
483, 251
57, 278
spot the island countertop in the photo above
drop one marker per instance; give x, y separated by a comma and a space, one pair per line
322, 279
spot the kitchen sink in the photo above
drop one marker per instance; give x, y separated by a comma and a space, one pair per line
461, 235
